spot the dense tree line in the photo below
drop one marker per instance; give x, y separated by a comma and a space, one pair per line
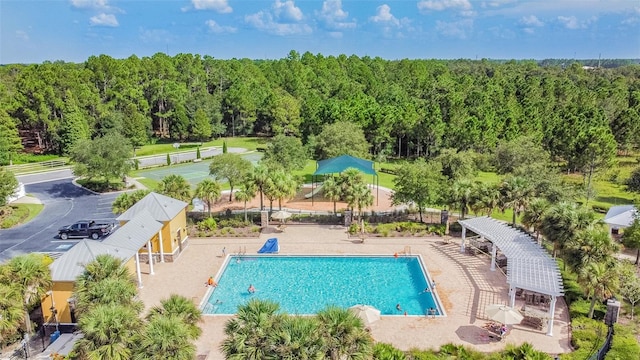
406, 108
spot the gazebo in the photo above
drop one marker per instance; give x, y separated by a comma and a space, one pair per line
342, 163
529, 266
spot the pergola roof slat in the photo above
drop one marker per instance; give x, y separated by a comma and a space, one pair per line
529, 266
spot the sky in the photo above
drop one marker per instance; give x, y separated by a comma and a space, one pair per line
73, 30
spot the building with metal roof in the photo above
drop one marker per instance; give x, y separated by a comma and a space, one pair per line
154, 228
529, 266
172, 214
620, 216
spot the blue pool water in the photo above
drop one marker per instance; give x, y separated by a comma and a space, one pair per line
307, 284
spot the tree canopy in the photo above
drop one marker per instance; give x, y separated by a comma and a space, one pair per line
106, 157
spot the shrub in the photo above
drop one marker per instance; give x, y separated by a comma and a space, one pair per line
208, 224
382, 351
600, 209
168, 159
417, 354
624, 345
587, 333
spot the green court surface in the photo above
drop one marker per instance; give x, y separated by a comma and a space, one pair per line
193, 172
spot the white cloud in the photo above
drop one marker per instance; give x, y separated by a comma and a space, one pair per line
104, 20
634, 18
287, 10
264, 21
384, 15
390, 25
495, 3
456, 29
90, 4
572, 23
531, 20
220, 6
22, 35
284, 18
334, 17
439, 5
218, 29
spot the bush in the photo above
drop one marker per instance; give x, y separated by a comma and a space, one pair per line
587, 333
388, 171
417, 354
624, 345
382, 351
208, 224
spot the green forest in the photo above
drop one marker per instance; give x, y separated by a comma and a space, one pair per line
406, 108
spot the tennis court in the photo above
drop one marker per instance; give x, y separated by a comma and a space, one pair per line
193, 172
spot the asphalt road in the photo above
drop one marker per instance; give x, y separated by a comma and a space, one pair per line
64, 203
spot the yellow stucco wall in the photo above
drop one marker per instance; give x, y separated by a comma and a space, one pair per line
62, 292
170, 232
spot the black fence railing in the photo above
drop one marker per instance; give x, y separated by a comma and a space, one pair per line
602, 352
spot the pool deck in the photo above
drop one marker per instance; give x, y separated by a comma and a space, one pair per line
465, 286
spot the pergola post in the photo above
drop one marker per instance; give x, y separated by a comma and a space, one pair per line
494, 250
138, 273
161, 246
150, 257
552, 312
512, 296
464, 236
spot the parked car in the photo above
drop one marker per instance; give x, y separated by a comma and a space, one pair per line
86, 228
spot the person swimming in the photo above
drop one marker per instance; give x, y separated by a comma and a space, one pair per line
251, 289
398, 307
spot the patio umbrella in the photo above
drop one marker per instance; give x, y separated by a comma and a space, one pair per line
367, 313
281, 215
503, 314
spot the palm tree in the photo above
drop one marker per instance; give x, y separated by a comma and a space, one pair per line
461, 195
360, 197
207, 190
332, 190
175, 186
109, 333
165, 337
107, 291
590, 246
260, 177
126, 200
562, 221
485, 198
11, 312
248, 333
246, 192
533, 215
105, 280
32, 278
182, 308
599, 281
298, 338
523, 352
285, 186
516, 193
344, 334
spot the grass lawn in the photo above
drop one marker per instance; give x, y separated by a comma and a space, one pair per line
20, 214
249, 143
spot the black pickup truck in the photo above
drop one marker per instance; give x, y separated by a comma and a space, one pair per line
86, 228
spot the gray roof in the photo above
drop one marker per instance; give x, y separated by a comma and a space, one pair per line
162, 208
621, 216
136, 232
123, 244
71, 264
529, 266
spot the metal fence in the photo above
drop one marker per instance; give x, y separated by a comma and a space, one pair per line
602, 353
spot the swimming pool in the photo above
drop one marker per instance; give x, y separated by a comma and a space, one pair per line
307, 284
